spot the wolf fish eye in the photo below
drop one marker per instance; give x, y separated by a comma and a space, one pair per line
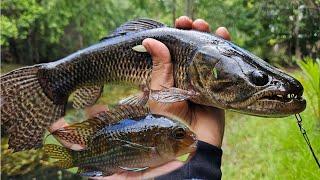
259, 78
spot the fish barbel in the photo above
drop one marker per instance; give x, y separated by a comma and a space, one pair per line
220, 73
128, 138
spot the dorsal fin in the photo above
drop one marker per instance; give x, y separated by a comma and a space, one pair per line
134, 26
80, 133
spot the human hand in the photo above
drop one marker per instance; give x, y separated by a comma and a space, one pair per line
206, 122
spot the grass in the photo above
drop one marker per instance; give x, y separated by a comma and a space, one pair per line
261, 148
254, 148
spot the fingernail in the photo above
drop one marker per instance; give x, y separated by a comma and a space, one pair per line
76, 147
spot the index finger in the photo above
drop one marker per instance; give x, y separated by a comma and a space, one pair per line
201, 25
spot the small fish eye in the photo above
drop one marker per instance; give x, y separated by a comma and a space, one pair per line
179, 133
259, 78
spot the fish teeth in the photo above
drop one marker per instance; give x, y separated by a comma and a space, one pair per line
292, 96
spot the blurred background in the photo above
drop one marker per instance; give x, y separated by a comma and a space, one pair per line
284, 33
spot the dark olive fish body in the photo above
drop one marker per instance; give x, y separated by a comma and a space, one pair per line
114, 60
222, 75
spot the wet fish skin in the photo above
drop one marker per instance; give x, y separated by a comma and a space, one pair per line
223, 74
137, 143
194, 55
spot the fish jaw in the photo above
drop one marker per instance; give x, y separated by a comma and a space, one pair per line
231, 78
277, 102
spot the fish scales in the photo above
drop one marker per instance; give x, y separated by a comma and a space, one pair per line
105, 156
141, 142
117, 62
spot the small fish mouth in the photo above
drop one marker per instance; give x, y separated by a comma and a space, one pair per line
193, 141
194, 145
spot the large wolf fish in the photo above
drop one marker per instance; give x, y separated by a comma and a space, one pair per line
222, 75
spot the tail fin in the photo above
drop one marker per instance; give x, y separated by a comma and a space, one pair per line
64, 156
26, 111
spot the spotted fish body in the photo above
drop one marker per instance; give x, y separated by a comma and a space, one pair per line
222, 75
131, 144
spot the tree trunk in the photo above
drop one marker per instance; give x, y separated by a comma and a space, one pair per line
189, 8
173, 12
296, 34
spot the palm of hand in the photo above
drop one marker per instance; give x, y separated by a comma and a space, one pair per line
206, 122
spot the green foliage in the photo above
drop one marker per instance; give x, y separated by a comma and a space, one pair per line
17, 17
8, 30
23, 162
311, 81
33, 164
41, 31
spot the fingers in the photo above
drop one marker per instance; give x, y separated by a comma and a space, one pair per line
57, 125
90, 112
185, 22
224, 33
147, 174
162, 70
161, 170
60, 124
201, 25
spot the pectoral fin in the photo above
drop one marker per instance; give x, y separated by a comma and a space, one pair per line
86, 96
139, 99
170, 95
136, 146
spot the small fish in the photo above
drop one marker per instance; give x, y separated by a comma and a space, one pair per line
128, 138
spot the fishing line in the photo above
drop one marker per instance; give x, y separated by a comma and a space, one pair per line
306, 138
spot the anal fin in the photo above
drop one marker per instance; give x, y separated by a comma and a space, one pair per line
86, 96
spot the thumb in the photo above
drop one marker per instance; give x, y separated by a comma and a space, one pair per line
161, 75
162, 70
